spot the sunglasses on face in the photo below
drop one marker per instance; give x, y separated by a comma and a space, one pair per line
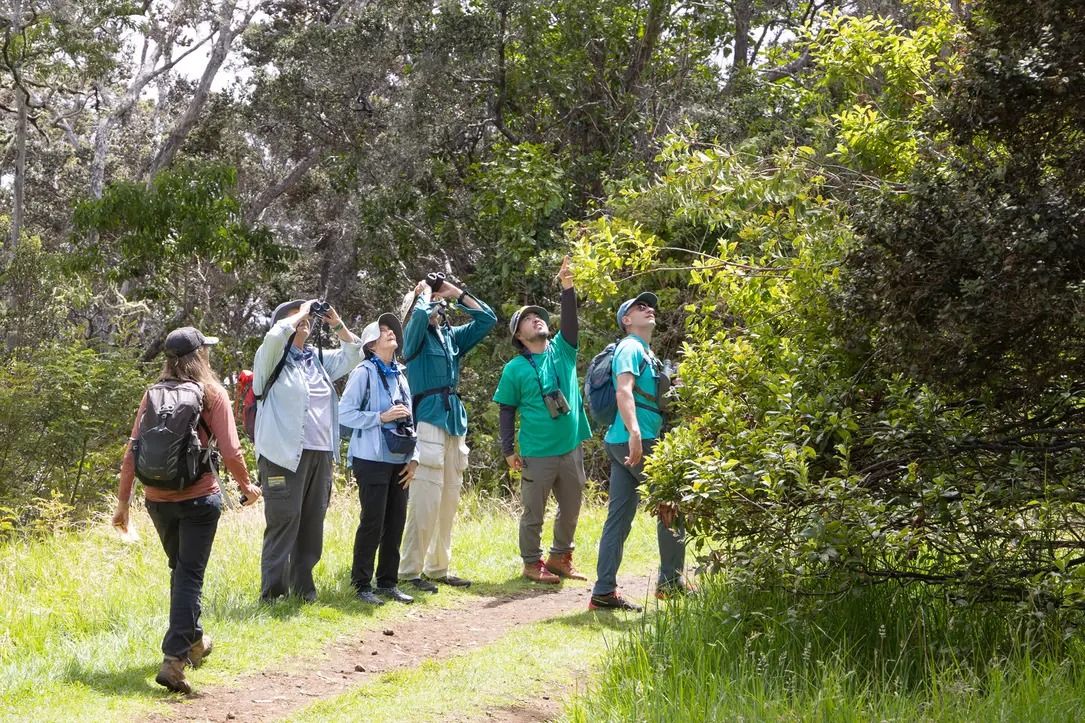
641, 306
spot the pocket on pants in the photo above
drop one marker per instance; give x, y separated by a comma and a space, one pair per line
431, 454
462, 452
275, 487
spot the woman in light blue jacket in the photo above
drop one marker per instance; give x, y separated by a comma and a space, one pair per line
376, 405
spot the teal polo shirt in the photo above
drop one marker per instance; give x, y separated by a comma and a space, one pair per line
634, 356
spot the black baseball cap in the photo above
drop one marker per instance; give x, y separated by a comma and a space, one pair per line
186, 340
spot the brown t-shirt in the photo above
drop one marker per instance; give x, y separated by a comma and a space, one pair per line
219, 417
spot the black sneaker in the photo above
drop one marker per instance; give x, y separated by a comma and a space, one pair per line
612, 601
369, 597
452, 581
422, 584
395, 594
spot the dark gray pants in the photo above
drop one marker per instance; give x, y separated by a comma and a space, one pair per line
564, 476
294, 507
624, 499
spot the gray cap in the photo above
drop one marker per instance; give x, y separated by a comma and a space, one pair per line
514, 322
372, 330
645, 296
186, 340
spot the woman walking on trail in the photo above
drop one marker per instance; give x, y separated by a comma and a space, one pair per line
377, 407
181, 485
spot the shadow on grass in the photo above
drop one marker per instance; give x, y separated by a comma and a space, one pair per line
133, 681
611, 619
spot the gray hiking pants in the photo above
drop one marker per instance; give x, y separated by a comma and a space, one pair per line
564, 476
294, 508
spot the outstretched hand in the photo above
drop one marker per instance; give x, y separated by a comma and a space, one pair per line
565, 273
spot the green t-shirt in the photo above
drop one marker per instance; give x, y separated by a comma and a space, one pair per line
540, 435
634, 356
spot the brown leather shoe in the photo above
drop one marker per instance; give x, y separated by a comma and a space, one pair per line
561, 564
537, 571
200, 650
171, 675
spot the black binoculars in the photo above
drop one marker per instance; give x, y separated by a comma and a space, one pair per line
319, 308
435, 279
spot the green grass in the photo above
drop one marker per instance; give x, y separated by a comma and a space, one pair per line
82, 614
877, 654
515, 671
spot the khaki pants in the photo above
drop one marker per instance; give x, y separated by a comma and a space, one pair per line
431, 507
564, 476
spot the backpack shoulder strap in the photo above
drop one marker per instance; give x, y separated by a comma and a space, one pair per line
278, 369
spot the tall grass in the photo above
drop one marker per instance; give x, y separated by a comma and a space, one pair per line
883, 653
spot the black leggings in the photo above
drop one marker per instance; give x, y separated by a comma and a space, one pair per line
384, 512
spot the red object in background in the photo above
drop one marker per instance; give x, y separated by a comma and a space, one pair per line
245, 403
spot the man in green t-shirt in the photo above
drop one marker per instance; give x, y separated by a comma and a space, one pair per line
541, 383
638, 377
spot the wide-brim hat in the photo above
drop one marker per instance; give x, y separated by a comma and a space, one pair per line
283, 309
646, 297
514, 321
372, 331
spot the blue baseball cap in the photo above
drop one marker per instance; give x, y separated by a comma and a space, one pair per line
646, 297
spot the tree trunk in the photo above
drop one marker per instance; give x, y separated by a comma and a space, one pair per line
19, 188
226, 34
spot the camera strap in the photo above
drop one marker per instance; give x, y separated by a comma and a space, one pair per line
388, 389
538, 374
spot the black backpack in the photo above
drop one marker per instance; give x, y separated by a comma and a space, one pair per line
167, 449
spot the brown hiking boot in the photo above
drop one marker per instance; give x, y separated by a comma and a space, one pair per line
200, 650
561, 564
171, 675
537, 571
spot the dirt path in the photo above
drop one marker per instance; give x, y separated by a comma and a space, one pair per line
422, 634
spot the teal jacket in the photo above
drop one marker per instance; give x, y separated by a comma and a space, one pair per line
433, 363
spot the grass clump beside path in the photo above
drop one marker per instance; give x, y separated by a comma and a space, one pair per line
875, 654
82, 614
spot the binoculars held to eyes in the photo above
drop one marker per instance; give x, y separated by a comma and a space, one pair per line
319, 307
435, 279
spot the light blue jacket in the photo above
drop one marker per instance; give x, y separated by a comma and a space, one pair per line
367, 442
280, 416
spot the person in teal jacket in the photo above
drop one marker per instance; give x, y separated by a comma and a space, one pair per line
433, 350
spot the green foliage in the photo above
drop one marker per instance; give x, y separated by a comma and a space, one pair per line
855, 405
65, 415
188, 213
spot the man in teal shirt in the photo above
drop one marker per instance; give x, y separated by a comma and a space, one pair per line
637, 375
541, 383
432, 351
